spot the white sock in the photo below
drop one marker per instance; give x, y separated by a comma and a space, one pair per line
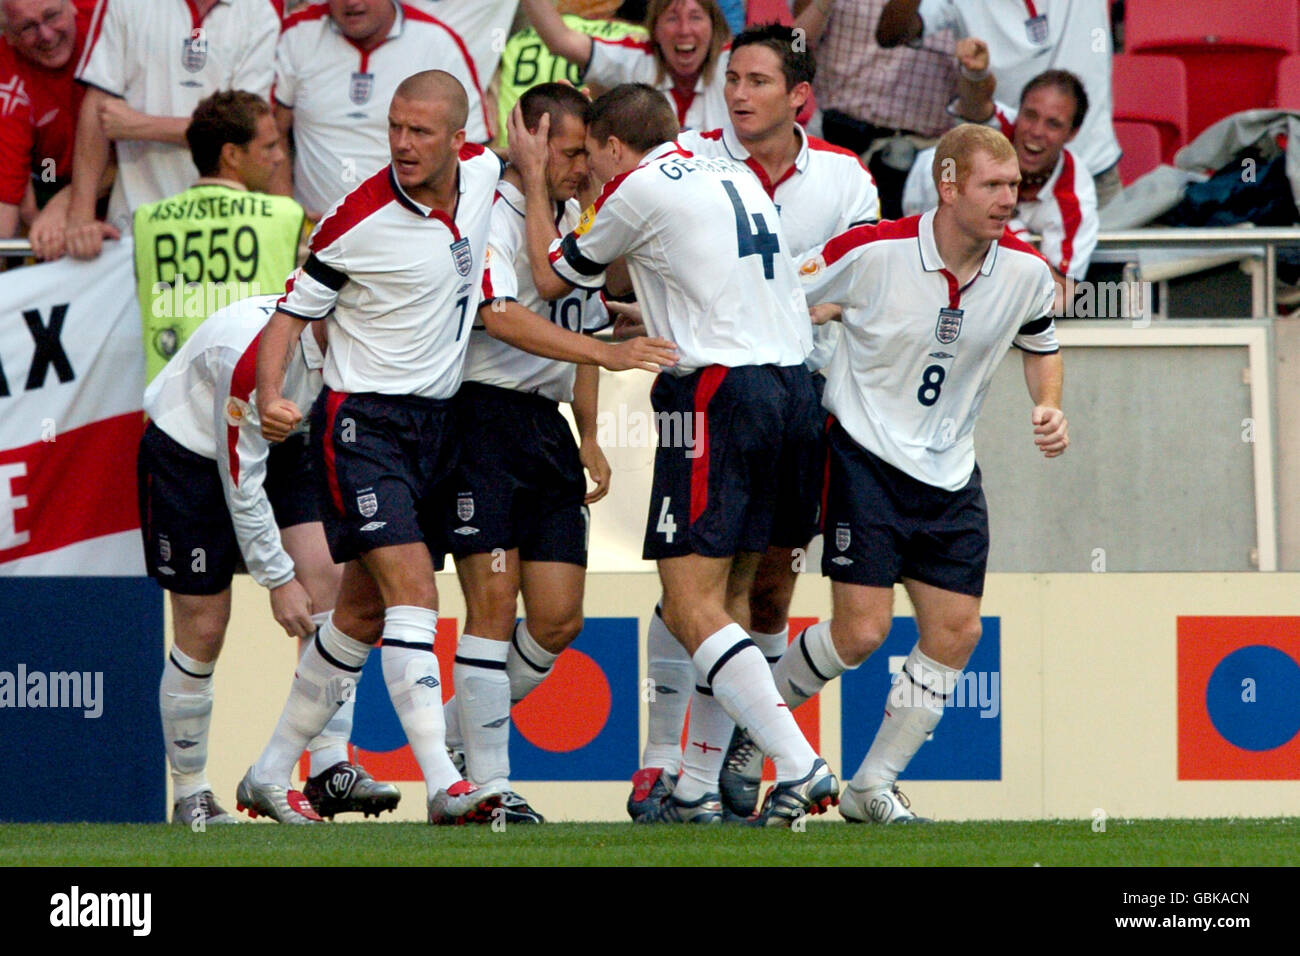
772, 645
331, 745
325, 679
484, 693
706, 746
411, 673
185, 700
673, 678
912, 711
734, 668
528, 663
808, 664
451, 717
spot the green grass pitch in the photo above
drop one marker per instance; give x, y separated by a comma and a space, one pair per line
1047, 843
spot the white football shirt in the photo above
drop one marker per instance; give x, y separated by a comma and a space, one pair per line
632, 60
484, 25
340, 95
1026, 37
162, 59
826, 191
1064, 213
711, 268
398, 282
494, 362
205, 399
918, 353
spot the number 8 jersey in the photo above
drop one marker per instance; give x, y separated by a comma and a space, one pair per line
704, 247
911, 370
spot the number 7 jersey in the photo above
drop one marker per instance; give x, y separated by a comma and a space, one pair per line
709, 263
909, 376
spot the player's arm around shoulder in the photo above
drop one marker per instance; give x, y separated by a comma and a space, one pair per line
1044, 369
507, 320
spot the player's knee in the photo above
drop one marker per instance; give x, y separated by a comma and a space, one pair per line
556, 633
858, 638
967, 634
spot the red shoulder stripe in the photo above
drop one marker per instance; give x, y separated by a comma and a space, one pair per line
824, 147
839, 246
1009, 240
242, 383
1008, 128
470, 150
96, 25
371, 196
422, 17
713, 134
313, 11
631, 43
1071, 213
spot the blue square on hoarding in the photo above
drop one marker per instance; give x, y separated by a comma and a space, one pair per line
94, 648
585, 727
967, 744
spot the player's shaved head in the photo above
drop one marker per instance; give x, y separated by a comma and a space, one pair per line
636, 113
437, 86
955, 154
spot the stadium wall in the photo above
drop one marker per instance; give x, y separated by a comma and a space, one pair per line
1133, 695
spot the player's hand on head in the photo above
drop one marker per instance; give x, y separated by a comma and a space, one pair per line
291, 608
528, 150
1051, 430
652, 355
824, 312
628, 321
279, 418
593, 459
973, 54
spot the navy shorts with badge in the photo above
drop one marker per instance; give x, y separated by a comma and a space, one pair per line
190, 545
382, 461
798, 515
727, 436
520, 482
882, 525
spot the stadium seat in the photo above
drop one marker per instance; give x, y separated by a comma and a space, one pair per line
1142, 151
1288, 83
1152, 90
1231, 49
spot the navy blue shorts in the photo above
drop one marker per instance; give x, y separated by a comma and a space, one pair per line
882, 525
383, 462
727, 436
189, 541
519, 483
800, 473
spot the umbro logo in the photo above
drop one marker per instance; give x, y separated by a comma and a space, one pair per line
428, 681
499, 722
841, 560
940, 355
185, 744
466, 529
797, 689
664, 689
373, 526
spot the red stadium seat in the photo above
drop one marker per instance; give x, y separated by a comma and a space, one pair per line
1141, 145
1152, 90
1288, 83
1231, 49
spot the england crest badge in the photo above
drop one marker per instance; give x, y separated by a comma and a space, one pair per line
464, 506
843, 537
949, 326
462, 255
368, 504
363, 84
194, 51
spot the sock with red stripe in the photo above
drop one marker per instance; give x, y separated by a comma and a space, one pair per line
672, 682
733, 667
912, 711
483, 690
415, 688
326, 677
808, 665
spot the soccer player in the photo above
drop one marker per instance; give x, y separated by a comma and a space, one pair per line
931, 304
519, 519
336, 67
1057, 199
213, 490
819, 190
733, 306
148, 66
397, 269
223, 238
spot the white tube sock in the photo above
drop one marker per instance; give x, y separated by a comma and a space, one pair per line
483, 692
672, 677
185, 702
808, 665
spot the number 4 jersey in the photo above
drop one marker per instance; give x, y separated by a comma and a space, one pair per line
710, 266
202, 249
910, 373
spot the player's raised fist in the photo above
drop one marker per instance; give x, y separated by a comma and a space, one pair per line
1051, 430
644, 353
279, 418
973, 54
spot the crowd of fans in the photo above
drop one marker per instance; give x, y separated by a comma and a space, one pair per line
95, 97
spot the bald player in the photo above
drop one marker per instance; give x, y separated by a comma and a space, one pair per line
397, 269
